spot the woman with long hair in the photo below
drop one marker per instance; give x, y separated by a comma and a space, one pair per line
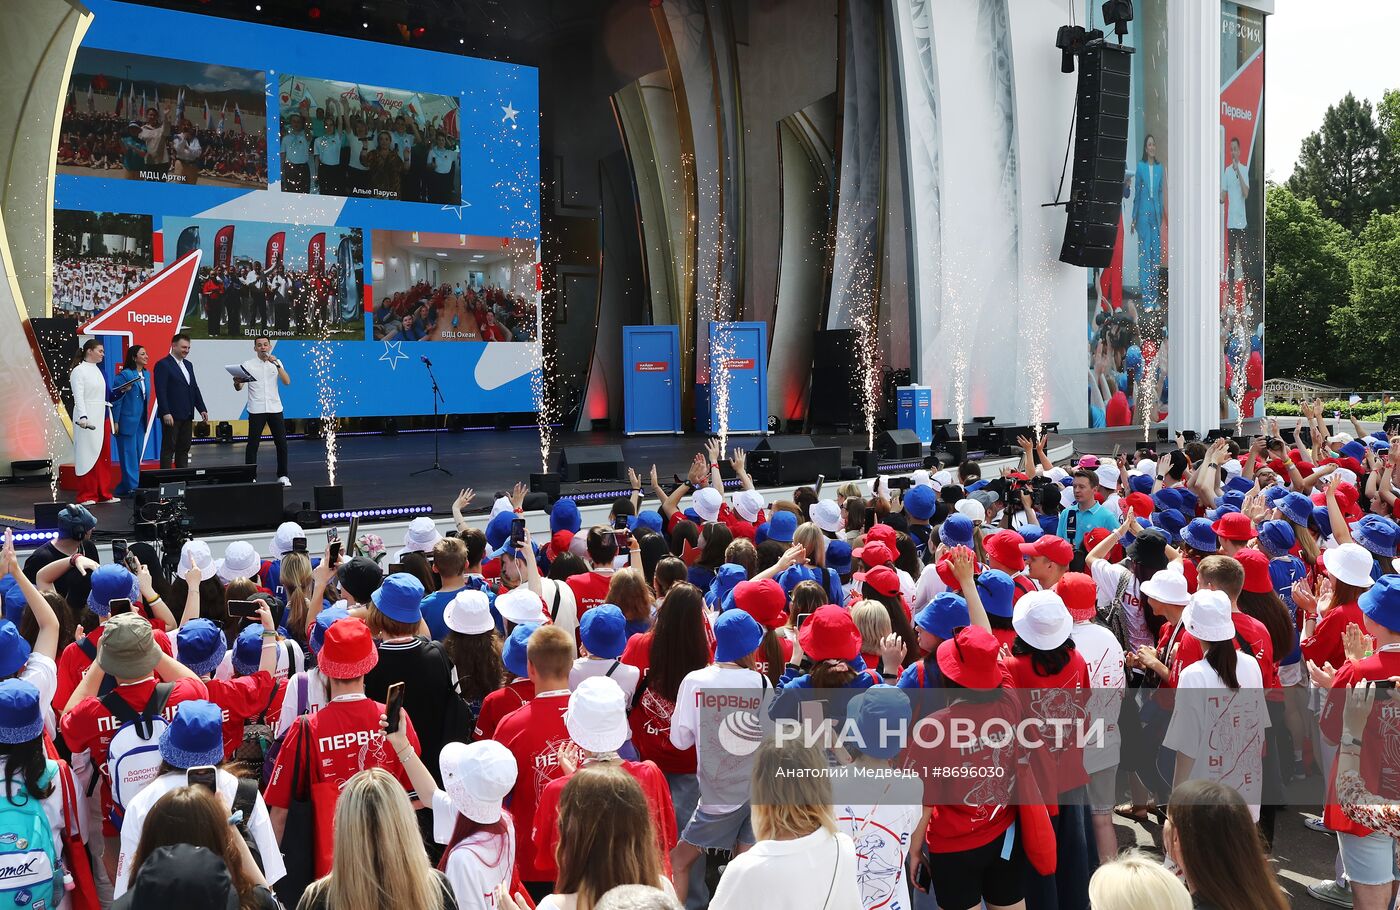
1121, 583
380, 860
629, 591
92, 431
1212, 839
195, 815
713, 541
297, 583
1149, 211
669, 572
131, 415
474, 647
804, 599
798, 844
1333, 605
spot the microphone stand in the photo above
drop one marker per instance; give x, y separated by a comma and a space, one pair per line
437, 397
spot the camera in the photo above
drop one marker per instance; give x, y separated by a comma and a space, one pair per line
166, 519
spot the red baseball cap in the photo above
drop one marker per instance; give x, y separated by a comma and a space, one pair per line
883, 534
1256, 571
1139, 503
1056, 549
874, 553
1234, 526
882, 579
1097, 536
764, 600
1080, 594
830, 634
970, 658
559, 543
1005, 548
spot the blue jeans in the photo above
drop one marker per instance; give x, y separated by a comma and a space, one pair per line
685, 796
129, 453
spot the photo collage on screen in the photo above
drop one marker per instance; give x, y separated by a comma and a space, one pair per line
145, 119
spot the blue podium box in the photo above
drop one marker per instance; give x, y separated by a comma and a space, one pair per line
914, 404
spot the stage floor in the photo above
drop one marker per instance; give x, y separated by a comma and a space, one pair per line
376, 470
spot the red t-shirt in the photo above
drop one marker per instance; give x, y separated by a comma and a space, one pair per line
73, 663
534, 734
969, 810
1188, 649
658, 794
1325, 645
497, 705
735, 522
761, 661
1380, 739
651, 720
1059, 766
90, 726
242, 698
590, 589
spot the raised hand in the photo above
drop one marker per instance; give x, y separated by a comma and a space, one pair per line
712, 451
655, 480
464, 499
517, 496
738, 460
892, 651
634, 479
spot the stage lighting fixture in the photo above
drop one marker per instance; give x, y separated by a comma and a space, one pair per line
223, 432
1118, 13
391, 426
392, 512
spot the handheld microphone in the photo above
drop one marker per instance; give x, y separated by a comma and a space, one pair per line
426, 360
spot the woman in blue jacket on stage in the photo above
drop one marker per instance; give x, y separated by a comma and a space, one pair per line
1149, 209
130, 413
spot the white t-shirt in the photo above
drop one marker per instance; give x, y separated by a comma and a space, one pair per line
625, 675
474, 869
567, 617
1104, 656
570, 901
316, 698
296, 148
816, 871
42, 674
881, 836
264, 394
441, 160
696, 724
1234, 186
1108, 576
328, 148
259, 825
927, 588
1222, 730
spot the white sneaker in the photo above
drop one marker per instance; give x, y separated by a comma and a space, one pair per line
113, 499
88, 502
284, 480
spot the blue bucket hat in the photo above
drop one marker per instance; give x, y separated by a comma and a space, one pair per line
1273, 493
1189, 501
1222, 509
21, 717
1239, 484
112, 582
498, 529
1132, 359
1199, 534
1171, 522
721, 589
997, 591
323, 622
947, 612
1233, 498
1376, 533
603, 631
513, 652
882, 715
1296, 507
14, 603
247, 650
564, 517
1381, 602
14, 650
1353, 449
650, 518
956, 531
200, 646
1140, 483
1380, 445
737, 635
1321, 521
838, 557
1030, 533
1276, 537
782, 526
400, 598
1167, 498
920, 502
195, 737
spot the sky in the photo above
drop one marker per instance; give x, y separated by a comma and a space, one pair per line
1315, 52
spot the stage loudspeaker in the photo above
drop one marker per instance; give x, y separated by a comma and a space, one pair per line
789, 467
867, 462
547, 484
952, 453
1100, 155
784, 443
329, 499
900, 444
832, 401
46, 515
234, 506
579, 463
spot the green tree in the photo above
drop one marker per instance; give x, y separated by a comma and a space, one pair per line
1366, 332
1306, 274
1344, 167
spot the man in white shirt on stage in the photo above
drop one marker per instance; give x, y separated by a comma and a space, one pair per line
265, 404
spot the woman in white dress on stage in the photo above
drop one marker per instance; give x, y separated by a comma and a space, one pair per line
92, 430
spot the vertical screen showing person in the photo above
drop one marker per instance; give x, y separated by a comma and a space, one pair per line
346, 139
135, 117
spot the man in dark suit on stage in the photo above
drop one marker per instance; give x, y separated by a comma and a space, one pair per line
177, 399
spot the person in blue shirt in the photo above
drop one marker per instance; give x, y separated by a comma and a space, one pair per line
130, 414
1087, 513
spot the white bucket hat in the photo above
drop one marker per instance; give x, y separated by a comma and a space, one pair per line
707, 502
921, 478
748, 503
478, 777
420, 537
1207, 617
287, 532
1042, 620
196, 553
1108, 475
597, 715
469, 613
827, 515
240, 561
973, 509
1168, 586
502, 504
520, 605
1351, 563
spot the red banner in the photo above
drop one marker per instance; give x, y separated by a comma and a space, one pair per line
739, 363
652, 366
223, 247
275, 243
316, 254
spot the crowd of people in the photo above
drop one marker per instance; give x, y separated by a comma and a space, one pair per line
84, 286
454, 313
155, 145
487, 720
246, 299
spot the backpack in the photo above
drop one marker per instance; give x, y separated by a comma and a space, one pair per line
31, 862
1111, 615
244, 799
300, 682
133, 757
258, 735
